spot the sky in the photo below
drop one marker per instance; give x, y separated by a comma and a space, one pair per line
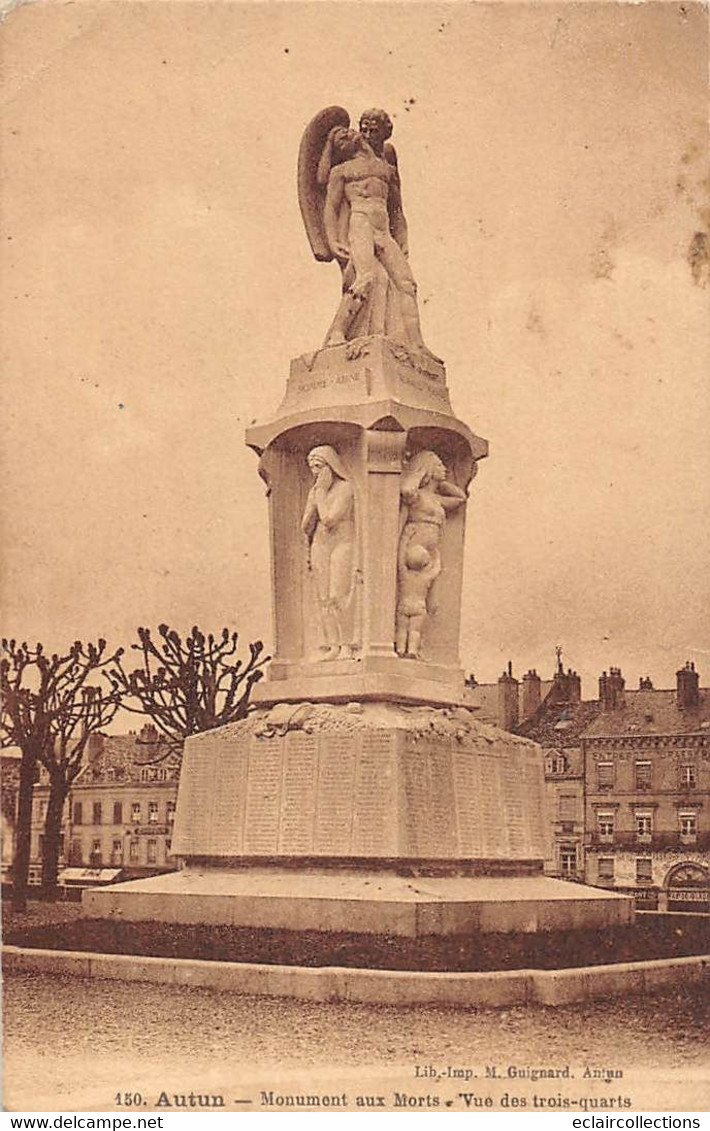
157, 281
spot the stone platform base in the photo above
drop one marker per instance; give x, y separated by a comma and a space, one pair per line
362, 901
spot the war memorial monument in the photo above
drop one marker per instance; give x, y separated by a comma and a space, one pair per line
361, 793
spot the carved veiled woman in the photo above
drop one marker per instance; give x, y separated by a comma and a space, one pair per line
329, 525
428, 498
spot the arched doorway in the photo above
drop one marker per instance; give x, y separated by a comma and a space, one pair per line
688, 887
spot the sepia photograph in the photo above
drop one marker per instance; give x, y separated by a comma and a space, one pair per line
355, 586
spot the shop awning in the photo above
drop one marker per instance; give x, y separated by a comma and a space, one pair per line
89, 875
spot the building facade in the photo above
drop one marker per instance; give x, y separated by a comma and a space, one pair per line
120, 811
557, 725
647, 788
9, 790
628, 786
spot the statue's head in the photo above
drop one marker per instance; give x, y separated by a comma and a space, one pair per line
428, 465
324, 455
345, 144
375, 127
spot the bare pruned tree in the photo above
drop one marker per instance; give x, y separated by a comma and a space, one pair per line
188, 686
49, 710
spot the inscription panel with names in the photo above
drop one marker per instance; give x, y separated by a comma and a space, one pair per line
337, 761
263, 797
298, 797
227, 816
374, 817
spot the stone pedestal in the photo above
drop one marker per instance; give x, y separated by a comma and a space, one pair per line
373, 818
362, 794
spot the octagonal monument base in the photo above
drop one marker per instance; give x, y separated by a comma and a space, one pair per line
371, 818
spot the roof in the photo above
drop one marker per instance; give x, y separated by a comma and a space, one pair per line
122, 757
652, 712
559, 724
484, 699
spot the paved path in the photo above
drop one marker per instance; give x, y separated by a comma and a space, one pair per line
72, 1046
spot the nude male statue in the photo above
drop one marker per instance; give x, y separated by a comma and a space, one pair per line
369, 184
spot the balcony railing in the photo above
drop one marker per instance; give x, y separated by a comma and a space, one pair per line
658, 840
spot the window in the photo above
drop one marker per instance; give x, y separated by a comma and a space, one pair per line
136, 813
133, 849
41, 846
605, 824
567, 806
687, 777
77, 813
152, 851
170, 812
95, 859
168, 843
558, 764
76, 853
643, 775
117, 813
644, 826
154, 773
605, 775
688, 825
644, 870
117, 852
605, 868
152, 812
97, 813
568, 861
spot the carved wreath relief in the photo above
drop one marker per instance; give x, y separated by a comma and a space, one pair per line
426, 498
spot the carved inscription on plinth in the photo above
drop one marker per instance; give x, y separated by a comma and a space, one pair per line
469, 814
298, 797
228, 802
536, 804
374, 823
195, 798
394, 792
263, 797
427, 799
338, 758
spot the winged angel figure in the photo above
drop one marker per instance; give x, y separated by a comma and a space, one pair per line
351, 202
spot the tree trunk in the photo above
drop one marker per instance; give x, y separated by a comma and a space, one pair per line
23, 832
52, 836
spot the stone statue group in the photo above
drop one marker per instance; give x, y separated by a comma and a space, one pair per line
351, 202
330, 526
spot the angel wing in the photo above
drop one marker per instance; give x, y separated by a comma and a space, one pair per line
311, 188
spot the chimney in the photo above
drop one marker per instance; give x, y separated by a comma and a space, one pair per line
532, 693
508, 714
687, 680
611, 689
95, 746
566, 687
645, 683
148, 734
